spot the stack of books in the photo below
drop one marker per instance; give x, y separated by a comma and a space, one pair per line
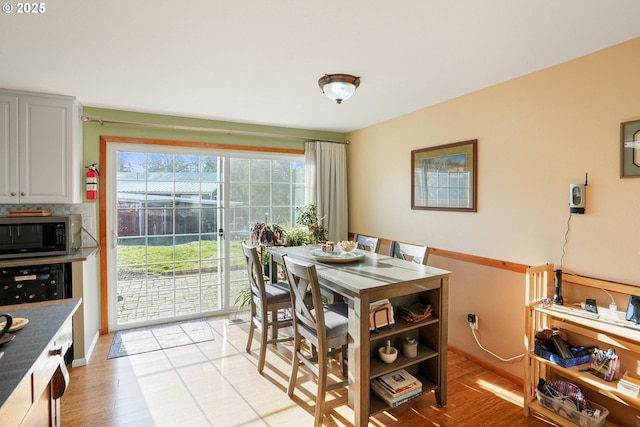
396, 387
415, 312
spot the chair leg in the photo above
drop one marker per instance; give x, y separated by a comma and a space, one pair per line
274, 326
343, 360
294, 364
264, 337
252, 327
322, 387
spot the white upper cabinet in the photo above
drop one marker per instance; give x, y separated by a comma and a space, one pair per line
8, 147
40, 148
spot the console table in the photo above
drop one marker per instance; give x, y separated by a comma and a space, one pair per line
371, 279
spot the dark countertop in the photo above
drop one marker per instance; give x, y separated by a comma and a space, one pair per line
20, 354
80, 255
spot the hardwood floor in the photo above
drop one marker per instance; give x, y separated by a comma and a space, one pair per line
216, 383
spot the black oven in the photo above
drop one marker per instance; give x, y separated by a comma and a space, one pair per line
34, 283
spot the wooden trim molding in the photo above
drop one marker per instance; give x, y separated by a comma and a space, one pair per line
489, 262
191, 144
102, 211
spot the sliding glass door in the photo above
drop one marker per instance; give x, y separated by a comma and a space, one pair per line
176, 218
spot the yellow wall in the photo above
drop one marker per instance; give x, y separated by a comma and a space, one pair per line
536, 135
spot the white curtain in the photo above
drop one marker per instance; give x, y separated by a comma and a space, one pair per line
326, 186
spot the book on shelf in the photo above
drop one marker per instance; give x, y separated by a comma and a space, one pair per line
406, 399
382, 393
395, 393
398, 380
381, 390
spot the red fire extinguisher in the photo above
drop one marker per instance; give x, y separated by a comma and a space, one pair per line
92, 181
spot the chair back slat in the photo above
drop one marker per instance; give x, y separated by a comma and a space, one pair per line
367, 243
256, 274
408, 252
306, 311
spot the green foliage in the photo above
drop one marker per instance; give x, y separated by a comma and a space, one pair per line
296, 237
243, 299
308, 216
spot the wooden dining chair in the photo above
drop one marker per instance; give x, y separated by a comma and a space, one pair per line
409, 252
324, 327
367, 243
265, 299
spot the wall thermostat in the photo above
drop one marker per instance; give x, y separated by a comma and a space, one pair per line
577, 202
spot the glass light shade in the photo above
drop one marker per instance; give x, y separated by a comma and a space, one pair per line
339, 91
338, 87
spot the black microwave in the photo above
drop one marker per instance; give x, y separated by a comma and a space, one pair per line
22, 237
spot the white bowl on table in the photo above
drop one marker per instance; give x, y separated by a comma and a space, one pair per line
347, 245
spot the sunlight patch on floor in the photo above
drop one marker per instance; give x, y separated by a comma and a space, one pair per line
508, 395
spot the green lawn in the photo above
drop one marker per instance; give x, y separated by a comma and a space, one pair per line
166, 259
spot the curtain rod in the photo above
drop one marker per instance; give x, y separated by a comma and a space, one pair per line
211, 130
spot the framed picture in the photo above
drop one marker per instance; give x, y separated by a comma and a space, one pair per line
630, 149
445, 177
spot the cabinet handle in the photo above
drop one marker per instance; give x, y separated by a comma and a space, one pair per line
23, 193
59, 381
13, 193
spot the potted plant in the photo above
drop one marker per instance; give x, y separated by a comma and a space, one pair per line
263, 234
296, 237
308, 216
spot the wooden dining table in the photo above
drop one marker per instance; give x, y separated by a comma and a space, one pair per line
371, 278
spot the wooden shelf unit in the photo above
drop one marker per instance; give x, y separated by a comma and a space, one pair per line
426, 366
620, 335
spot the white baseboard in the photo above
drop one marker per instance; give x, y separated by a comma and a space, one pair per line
78, 362
85, 360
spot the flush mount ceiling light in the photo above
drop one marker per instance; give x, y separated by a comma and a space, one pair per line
339, 87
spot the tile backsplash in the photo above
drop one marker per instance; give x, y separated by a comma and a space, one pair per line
87, 210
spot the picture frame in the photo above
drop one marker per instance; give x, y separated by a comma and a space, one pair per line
630, 149
445, 177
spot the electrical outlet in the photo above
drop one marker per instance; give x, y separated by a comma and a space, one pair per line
473, 320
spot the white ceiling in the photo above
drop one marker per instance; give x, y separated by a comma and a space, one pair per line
258, 61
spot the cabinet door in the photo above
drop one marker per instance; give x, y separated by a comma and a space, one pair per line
8, 148
50, 163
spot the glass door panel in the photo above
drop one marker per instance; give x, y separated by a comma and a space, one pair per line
170, 248
175, 227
